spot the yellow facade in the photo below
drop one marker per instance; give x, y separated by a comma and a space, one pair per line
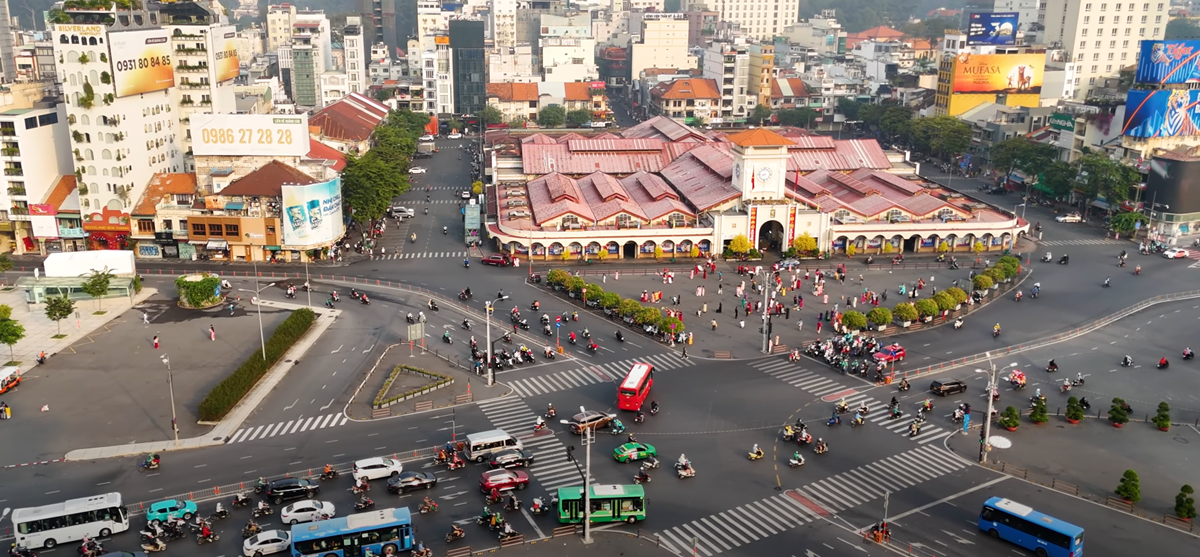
959, 104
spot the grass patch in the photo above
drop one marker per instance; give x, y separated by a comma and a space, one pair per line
229, 392
58, 336
436, 381
101, 312
13, 363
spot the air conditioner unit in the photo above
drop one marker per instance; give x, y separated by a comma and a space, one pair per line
572, 226
516, 203
518, 214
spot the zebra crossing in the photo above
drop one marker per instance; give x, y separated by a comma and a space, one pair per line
590, 375
820, 385
1093, 242
751, 522
289, 427
422, 255
550, 466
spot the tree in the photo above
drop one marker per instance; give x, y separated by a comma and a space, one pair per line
1038, 414
854, 321
1020, 153
6, 265
1185, 505
739, 244
957, 294
382, 94
805, 243
944, 301
491, 115
59, 308
1101, 176
1130, 488
848, 107
851, 249
97, 284
880, 316
476, 187
577, 118
1059, 178
1126, 223
368, 185
871, 114
895, 122
1162, 418
1074, 409
1116, 413
802, 117
1010, 418
1182, 28
11, 333
658, 252
760, 113
552, 116
456, 124
905, 311
981, 282
943, 136
5, 312
926, 307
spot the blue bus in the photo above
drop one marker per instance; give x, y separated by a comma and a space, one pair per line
1021, 525
368, 534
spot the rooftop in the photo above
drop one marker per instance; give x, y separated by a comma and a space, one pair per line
690, 88
513, 92
350, 119
319, 151
267, 181
759, 137
162, 188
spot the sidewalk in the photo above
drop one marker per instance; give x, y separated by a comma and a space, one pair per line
232, 421
360, 407
40, 330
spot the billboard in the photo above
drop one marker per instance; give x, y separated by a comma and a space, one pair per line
141, 61
992, 28
1168, 62
312, 214
225, 43
1063, 122
250, 134
998, 73
1162, 113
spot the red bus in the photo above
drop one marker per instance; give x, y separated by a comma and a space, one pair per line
636, 387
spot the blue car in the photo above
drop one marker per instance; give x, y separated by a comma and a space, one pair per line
170, 509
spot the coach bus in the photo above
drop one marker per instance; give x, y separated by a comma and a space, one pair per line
377, 532
1022, 526
47, 526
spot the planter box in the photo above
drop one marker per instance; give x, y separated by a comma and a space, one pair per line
905, 324
881, 328
1117, 425
1009, 428
927, 319
1070, 421
957, 307
1168, 428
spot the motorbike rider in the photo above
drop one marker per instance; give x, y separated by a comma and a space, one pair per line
822, 446
796, 456
1162, 362
457, 532
1187, 353
858, 418
1127, 361
252, 527
1079, 378
550, 412
904, 384
996, 329
539, 423
328, 470
639, 417
756, 451
1052, 366
1066, 384
508, 530
841, 405
495, 496
682, 463
152, 460
571, 337
653, 406
205, 531
1107, 281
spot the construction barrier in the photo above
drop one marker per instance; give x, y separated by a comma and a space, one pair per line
568, 530
518, 539
459, 552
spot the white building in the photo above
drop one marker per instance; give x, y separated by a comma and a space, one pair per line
502, 21
822, 35
759, 19
1103, 37
37, 152
512, 65
1031, 15
383, 67
251, 42
729, 66
883, 59
355, 47
662, 43
437, 72
279, 25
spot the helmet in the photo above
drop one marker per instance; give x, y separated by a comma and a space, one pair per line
820, 440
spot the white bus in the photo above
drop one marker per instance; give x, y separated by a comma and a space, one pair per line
47, 526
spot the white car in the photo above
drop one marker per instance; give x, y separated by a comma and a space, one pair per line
1073, 217
1176, 253
417, 170
375, 468
426, 137
454, 136
466, 194
266, 543
306, 511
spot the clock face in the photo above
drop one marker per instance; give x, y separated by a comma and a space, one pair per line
737, 171
764, 173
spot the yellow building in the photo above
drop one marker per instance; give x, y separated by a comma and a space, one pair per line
968, 80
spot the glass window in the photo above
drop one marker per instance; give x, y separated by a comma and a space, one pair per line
214, 230
198, 229
231, 230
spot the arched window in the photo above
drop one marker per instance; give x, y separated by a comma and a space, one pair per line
63, 39
87, 154
88, 137
92, 170
87, 203
71, 54
74, 82
106, 154
83, 119
91, 40
74, 40
104, 172
93, 77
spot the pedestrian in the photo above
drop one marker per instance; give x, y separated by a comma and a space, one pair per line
212, 333
685, 356
156, 342
742, 323
145, 318
714, 324
799, 324
735, 312
787, 313
604, 279
818, 327
704, 308
719, 304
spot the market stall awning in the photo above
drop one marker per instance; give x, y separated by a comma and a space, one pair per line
217, 244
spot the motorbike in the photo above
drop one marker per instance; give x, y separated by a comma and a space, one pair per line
263, 510
505, 535
240, 501
1189, 355
620, 337
1162, 365
156, 545
995, 333
1127, 362
755, 456
1046, 259
796, 463
466, 325
684, 471
463, 295
329, 475
364, 301
456, 463
201, 540
221, 513
821, 449
446, 339
538, 507
858, 421
363, 504
650, 464
641, 478
512, 505
457, 534
958, 323
617, 427
653, 408
593, 348
250, 530
1064, 260
149, 464
430, 507
1064, 387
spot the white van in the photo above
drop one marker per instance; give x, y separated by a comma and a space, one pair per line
482, 445
402, 213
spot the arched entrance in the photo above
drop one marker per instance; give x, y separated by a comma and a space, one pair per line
629, 250
770, 236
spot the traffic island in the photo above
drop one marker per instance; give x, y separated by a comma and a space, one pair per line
407, 379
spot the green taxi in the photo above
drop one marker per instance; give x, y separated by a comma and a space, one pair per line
634, 451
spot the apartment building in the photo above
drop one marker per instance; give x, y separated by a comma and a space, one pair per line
757, 19
728, 65
35, 145
1102, 37
663, 43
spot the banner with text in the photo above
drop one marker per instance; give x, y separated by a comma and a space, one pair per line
312, 214
1168, 62
141, 61
998, 73
250, 134
225, 41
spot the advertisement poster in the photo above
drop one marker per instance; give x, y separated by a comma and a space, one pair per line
225, 39
992, 28
312, 214
1168, 62
250, 134
1163, 113
998, 73
141, 61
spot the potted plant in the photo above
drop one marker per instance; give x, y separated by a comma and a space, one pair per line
1162, 419
880, 317
1010, 419
1117, 414
944, 301
854, 321
1130, 488
1038, 414
926, 308
1074, 411
574, 285
958, 295
556, 277
1185, 504
982, 282
905, 313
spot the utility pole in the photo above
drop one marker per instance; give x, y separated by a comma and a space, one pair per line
766, 319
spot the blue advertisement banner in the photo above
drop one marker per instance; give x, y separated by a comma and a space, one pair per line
1162, 113
313, 214
992, 28
1168, 62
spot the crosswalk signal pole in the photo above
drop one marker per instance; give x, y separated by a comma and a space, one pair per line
587, 485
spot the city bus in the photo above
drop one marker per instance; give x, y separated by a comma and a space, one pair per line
375, 533
1022, 526
610, 503
636, 387
47, 526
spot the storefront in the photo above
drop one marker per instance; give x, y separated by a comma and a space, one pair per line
108, 229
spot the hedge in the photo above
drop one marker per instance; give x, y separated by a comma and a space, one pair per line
230, 391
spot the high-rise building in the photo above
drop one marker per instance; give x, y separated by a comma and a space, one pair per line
120, 109
566, 49
728, 65
8, 69
762, 70
663, 44
1102, 37
37, 153
279, 25
759, 19
503, 21
470, 65
382, 15
355, 45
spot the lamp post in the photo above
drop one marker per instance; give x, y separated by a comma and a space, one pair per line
1153, 206
258, 304
171, 385
1013, 234
588, 437
766, 319
987, 423
307, 285
488, 307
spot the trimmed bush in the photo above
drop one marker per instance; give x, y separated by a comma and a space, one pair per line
1074, 409
905, 311
610, 300
1185, 505
880, 316
439, 381
574, 284
982, 282
993, 273
944, 301
198, 290
957, 294
670, 325
1010, 418
1130, 488
230, 391
1162, 419
1117, 414
1038, 415
557, 276
628, 307
854, 321
926, 307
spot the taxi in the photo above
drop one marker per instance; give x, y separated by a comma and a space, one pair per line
634, 451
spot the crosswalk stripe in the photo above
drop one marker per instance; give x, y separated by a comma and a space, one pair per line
874, 482
766, 523
780, 518
590, 374
273, 429
672, 537
806, 514
702, 543
288, 427
237, 436
785, 510
254, 435
738, 523
732, 533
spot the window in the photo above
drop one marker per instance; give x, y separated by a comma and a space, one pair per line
1110, 55
198, 229
1087, 7
1097, 44
1095, 56
1094, 69
1127, 30
1108, 68
1083, 33
1124, 44
270, 229
1128, 20
1091, 81
214, 230
1077, 81
1087, 19
1143, 22
1082, 44
1114, 31
1101, 20
1142, 32
1123, 55
1155, 33
841, 215
145, 226
231, 230
167, 224
1145, 7
1103, 7
1112, 44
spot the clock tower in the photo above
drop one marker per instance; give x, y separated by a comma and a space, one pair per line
760, 164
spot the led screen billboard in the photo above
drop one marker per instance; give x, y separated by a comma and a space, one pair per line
1168, 62
998, 73
312, 214
1163, 113
992, 28
226, 56
141, 61
250, 134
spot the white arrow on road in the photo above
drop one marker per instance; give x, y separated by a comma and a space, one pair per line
809, 553
452, 495
959, 539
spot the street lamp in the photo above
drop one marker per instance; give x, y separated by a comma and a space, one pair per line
488, 307
1013, 234
588, 437
258, 304
1150, 223
171, 384
987, 423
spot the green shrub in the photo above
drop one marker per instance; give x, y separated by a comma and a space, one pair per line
854, 321
1130, 488
574, 284
880, 316
665, 325
1074, 409
382, 398
1162, 419
557, 276
957, 294
628, 307
1185, 505
995, 274
230, 391
594, 291
610, 300
1010, 417
199, 290
647, 315
1038, 415
944, 301
982, 282
926, 307
905, 311
1117, 414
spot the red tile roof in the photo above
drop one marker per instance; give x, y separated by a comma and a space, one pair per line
320, 151
703, 175
267, 181
758, 137
61, 191
663, 128
513, 92
160, 189
655, 197
788, 87
690, 88
555, 195
577, 91
351, 118
607, 198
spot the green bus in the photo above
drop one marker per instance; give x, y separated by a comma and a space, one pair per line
610, 503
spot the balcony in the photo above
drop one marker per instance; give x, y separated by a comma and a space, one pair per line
14, 172
186, 50
8, 132
185, 68
71, 233
10, 152
192, 85
16, 191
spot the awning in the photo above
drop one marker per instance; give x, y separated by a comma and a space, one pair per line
1100, 204
217, 244
271, 248
1043, 188
1014, 177
235, 206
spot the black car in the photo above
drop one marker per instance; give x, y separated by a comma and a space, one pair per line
512, 458
286, 489
407, 481
947, 387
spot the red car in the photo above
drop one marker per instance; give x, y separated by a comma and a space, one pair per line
498, 260
890, 353
503, 479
